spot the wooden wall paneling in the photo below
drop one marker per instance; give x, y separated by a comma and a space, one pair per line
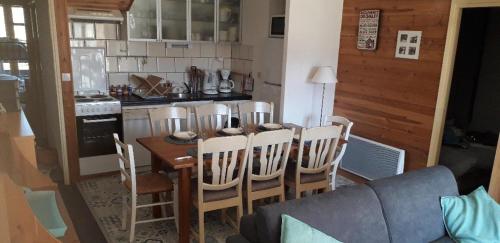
123, 5
393, 100
494, 188
61, 11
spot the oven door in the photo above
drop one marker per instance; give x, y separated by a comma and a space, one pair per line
95, 134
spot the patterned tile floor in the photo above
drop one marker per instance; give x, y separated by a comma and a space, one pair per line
103, 197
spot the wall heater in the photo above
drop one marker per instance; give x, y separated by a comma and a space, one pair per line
372, 160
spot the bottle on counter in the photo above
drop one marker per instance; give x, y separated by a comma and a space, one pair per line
125, 90
112, 90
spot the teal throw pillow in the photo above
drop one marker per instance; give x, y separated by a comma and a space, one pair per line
296, 231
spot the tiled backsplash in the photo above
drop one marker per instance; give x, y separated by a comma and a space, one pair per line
125, 59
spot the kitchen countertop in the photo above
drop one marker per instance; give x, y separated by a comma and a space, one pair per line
133, 100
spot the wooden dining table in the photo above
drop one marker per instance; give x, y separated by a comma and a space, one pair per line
174, 156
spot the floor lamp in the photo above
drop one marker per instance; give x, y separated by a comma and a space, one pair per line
324, 75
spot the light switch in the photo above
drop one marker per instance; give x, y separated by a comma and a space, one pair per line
66, 77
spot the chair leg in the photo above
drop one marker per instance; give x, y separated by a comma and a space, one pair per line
176, 206
239, 214
124, 212
201, 226
282, 197
133, 218
223, 215
298, 193
250, 205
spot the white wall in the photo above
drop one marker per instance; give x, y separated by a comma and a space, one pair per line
312, 39
267, 52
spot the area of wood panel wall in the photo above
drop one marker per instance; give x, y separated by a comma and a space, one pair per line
392, 100
61, 10
123, 5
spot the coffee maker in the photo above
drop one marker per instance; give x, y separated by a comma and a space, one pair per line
226, 85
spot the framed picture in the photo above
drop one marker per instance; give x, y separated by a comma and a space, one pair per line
408, 44
368, 29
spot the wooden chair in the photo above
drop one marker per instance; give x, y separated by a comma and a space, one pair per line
269, 180
138, 185
2, 109
211, 117
321, 143
253, 113
221, 185
346, 131
167, 120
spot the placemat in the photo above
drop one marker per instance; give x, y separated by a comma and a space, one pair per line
172, 140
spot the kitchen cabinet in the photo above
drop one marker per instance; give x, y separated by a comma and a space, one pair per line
136, 125
185, 20
203, 21
142, 23
229, 20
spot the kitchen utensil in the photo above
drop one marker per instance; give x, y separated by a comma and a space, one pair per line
226, 85
210, 82
223, 35
225, 14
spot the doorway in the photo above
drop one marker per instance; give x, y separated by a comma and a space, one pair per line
465, 131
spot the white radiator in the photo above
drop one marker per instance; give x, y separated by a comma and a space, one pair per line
372, 160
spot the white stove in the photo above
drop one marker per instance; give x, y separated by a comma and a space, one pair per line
96, 104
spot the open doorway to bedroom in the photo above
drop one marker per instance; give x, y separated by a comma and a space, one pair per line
472, 121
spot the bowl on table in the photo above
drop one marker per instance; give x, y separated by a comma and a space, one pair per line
188, 135
232, 131
270, 126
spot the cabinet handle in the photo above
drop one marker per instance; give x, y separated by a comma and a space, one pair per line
99, 120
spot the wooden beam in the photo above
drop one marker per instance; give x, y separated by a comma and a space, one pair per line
61, 11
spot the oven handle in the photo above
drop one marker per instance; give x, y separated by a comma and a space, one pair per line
100, 120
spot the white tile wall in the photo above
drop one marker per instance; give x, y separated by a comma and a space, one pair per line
137, 49
182, 64
200, 63
128, 64
215, 63
111, 64
156, 49
193, 51
223, 50
148, 65
106, 31
116, 48
166, 64
177, 78
207, 50
118, 79
175, 52
227, 63
95, 43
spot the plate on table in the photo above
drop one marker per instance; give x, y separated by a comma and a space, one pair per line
189, 135
271, 126
232, 131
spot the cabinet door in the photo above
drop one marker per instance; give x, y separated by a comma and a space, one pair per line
142, 20
203, 20
229, 20
174, 20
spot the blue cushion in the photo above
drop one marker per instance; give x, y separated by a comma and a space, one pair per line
295, 231
472, 218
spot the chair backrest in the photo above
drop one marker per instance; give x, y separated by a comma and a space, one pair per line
126, 160
339, 120
323, 143
226, 154
273, 155
212, 117
2, 109
254, 112
167, 120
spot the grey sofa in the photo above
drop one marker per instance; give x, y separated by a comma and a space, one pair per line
403, 208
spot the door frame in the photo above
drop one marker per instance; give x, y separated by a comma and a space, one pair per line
445, 81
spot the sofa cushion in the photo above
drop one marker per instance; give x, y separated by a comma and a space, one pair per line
296, 231
237, 239
349, 214
411, 203
444, 239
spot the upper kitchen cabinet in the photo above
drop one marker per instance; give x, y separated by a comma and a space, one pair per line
229, 20
142, 20
174, 20
203, 24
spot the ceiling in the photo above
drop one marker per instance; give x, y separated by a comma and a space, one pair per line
123, 5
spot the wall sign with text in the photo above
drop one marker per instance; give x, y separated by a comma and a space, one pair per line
368, 29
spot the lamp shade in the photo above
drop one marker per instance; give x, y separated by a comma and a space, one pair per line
324, 75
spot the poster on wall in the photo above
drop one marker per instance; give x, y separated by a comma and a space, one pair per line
408, 44
368, 29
